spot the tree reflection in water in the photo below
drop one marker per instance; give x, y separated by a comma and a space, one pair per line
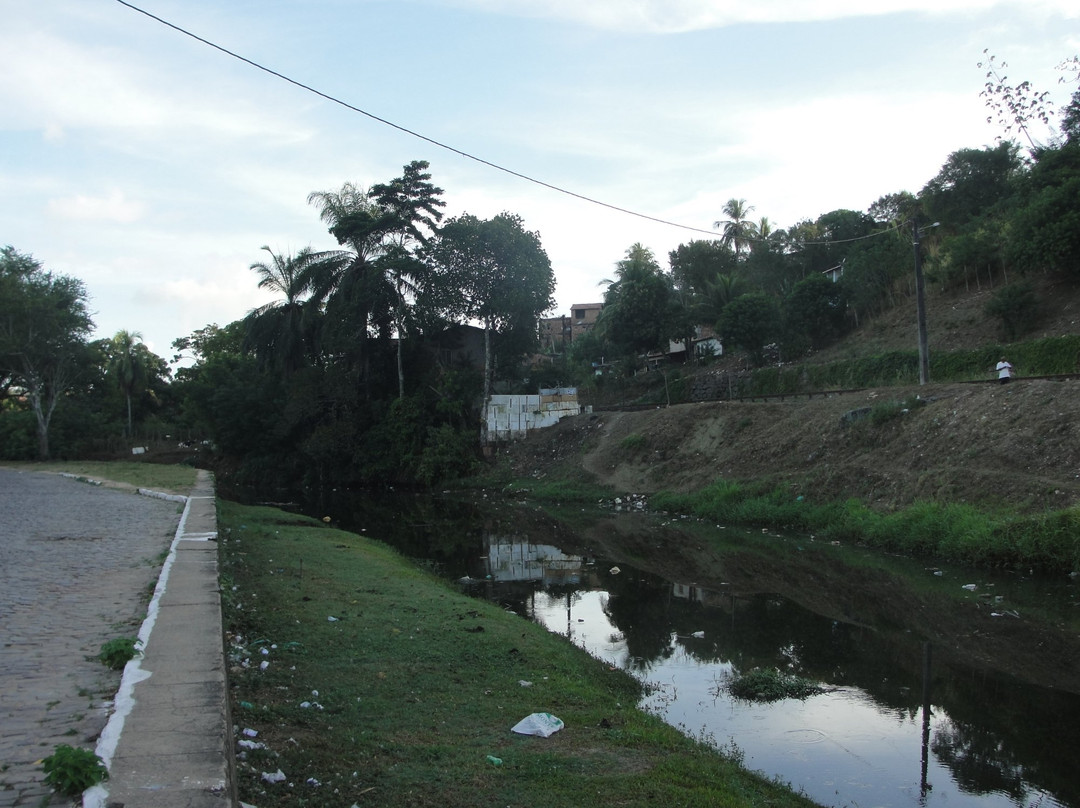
853, 622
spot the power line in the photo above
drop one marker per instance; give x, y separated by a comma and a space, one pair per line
459, 152
406, 130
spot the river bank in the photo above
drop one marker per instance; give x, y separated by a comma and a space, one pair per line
366, 680
941, 470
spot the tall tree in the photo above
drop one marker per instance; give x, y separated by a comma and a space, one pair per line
493, 271
972, 184
128, 368
281, 333
348, 287
44, 325
637, 315
750, 322
382, 230
411, 205
737, 230
696, 264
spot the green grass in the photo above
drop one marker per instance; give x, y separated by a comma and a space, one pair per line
948, 531
156, 476
414, 687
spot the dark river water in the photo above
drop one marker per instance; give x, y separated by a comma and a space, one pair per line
684, 607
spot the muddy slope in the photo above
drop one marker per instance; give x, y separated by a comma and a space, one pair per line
989, 444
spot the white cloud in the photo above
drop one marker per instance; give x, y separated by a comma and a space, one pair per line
114, 207
674, 16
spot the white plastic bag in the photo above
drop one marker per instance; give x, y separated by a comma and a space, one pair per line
542, 724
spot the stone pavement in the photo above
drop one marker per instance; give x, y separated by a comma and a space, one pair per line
77, 563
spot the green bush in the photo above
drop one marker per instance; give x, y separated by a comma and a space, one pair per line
116, 653
71, 771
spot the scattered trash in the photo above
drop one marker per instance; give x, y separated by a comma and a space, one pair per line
247, 705
938, 573
615, 570
251, 744
264, 665
969, 587
542, 724
311, 781
326, 519
523, 683
251, 733
274, 777
700, 635
331, 619
494, 761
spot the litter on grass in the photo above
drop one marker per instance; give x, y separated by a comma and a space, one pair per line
542, 724
274, 777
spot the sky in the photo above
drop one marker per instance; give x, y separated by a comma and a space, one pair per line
155, 167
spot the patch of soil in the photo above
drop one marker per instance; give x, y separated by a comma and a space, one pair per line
976, 443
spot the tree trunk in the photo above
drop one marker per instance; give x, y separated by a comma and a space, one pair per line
400, 365
43, 414
487, 380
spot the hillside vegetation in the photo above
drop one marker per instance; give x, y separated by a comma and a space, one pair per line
978, 443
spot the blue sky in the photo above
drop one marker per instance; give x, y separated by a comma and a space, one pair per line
154, 167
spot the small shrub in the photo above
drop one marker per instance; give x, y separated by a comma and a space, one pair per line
116, 653
885, 411
71, 770
771, 685
632, 443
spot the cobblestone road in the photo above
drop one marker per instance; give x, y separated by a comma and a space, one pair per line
77, 566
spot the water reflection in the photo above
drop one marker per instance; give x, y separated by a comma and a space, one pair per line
988, 738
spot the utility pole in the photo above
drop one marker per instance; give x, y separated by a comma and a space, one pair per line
920, 307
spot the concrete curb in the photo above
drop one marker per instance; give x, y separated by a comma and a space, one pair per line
168, 741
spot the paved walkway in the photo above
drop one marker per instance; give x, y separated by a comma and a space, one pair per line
78, 564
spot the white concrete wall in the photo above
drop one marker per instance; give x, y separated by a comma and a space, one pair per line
510, 417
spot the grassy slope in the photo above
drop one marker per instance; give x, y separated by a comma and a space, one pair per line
157, 477
418, 685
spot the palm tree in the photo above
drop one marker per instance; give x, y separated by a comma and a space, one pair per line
381, 228
738, 230
126, 365
411, 203
281, 332
349, 287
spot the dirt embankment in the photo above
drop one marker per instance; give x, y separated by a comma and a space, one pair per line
1015, 444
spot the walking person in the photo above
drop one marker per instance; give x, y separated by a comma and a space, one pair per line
1004, 371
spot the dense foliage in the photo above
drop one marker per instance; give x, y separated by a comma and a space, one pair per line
374, 363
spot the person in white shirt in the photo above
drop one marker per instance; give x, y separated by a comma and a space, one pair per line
1004, 370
